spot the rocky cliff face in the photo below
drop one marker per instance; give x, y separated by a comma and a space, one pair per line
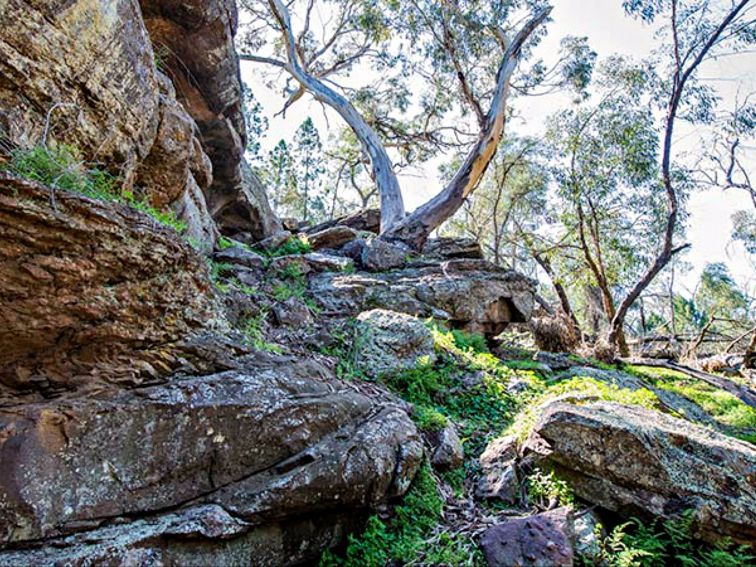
148, 91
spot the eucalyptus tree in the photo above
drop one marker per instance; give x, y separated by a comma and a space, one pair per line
604, 157
691, 32
435, 75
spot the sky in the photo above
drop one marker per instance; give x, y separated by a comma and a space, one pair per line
609, 31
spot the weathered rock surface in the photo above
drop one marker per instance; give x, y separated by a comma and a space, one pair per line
91, 292
195, 40
334, 237
470, 294
387, 341
51, 64
448, 452
377, 255
633, 460
541, 540
272, 442
450, 248
499, 479
368, 220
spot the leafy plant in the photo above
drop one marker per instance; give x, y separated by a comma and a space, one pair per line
60, 166
671, 542
544, 488
294, 245
254, 336
408, 534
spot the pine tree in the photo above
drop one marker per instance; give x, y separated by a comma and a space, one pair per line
278, 175
309, 165
257, 126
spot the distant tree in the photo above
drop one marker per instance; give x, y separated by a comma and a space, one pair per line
693, 32
440, 75
309, 168
257, 126
279, 177
604, 159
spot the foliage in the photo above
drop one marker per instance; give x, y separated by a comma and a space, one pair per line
405, 536
60, 166
254, 336
257, 126
469, 341
544, 488
309, 168
670, 542
721, 405
294, 284
579, 388
294, 245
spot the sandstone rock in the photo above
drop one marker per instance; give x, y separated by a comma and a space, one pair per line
241, 256
270, 443
367, 220
470, 294
450, 248
542, 540
386, 341
89, 290
48, 52
499, 479
192, 209
378, 255
328, 262
632, 460
334, 237
586, 542
198, 38
448, 452
292, 313
271, 242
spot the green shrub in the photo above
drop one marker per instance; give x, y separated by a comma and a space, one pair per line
469, 341
545, 488
406, 536
61, 167
671, 543
294, 245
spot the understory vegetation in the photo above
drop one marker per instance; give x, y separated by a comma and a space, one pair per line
672, 542
60, 167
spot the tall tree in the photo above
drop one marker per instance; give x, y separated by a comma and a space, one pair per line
257, 126
278, 175
309, 167
472, 44
694, 31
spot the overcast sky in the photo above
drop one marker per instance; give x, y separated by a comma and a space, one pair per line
609, 31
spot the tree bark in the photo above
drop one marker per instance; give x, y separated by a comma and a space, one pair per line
392, 204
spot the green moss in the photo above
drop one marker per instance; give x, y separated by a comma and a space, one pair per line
579, 386
428, 419
409, 535
721, 405
669, 543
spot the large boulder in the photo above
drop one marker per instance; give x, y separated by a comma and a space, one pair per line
92, 292
386, 342
470, 294
633, 460
84, 71
268, 444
